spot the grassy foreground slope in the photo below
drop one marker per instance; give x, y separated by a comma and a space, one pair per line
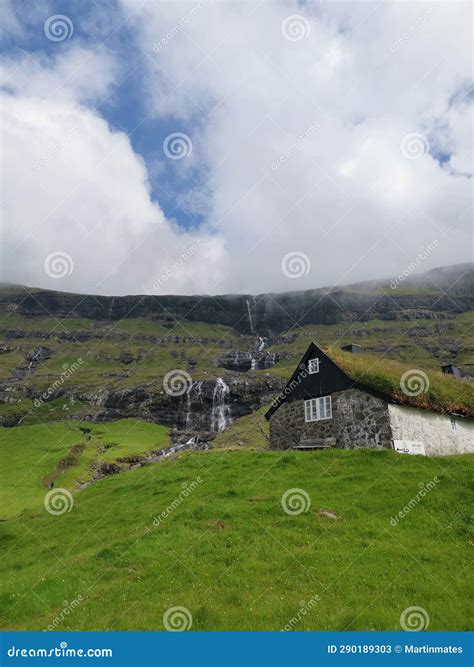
228, 552
62, 454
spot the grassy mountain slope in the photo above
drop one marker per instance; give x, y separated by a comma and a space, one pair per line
64, 454
122, 355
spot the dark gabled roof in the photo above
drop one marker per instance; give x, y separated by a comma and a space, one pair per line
439, 400
299, 384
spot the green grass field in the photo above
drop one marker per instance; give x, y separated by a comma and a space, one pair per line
225, 549
31, 457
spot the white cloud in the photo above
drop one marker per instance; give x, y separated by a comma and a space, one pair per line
367, 74
74, 186
301, 139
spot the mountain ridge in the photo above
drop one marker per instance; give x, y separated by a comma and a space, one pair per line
441, 292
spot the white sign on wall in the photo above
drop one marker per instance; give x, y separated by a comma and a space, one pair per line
409, 447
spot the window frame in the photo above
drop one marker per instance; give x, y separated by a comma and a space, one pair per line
311, 369
318, 409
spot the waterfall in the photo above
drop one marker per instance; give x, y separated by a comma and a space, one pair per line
250, 315
194, 387
33, 360
256, 356
269, 360
220, 415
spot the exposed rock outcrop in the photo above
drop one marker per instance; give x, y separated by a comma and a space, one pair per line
269, 314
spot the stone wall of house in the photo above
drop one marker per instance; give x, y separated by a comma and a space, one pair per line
440, 434
359, 420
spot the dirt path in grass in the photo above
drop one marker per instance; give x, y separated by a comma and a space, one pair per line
70, 460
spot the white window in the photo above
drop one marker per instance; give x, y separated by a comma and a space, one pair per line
313, 366
454, 426
316, 409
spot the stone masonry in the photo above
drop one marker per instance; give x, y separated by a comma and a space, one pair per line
359, 420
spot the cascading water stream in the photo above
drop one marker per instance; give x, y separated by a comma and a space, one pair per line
194, 388
220, 415
250, 316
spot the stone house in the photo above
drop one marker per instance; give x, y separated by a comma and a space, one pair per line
321, 407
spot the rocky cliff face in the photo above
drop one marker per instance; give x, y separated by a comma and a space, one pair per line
447, 290
207, 407
232, 370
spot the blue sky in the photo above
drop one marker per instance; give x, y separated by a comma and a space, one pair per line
339, 133
124, 108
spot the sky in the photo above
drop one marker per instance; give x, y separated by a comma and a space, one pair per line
153, 147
